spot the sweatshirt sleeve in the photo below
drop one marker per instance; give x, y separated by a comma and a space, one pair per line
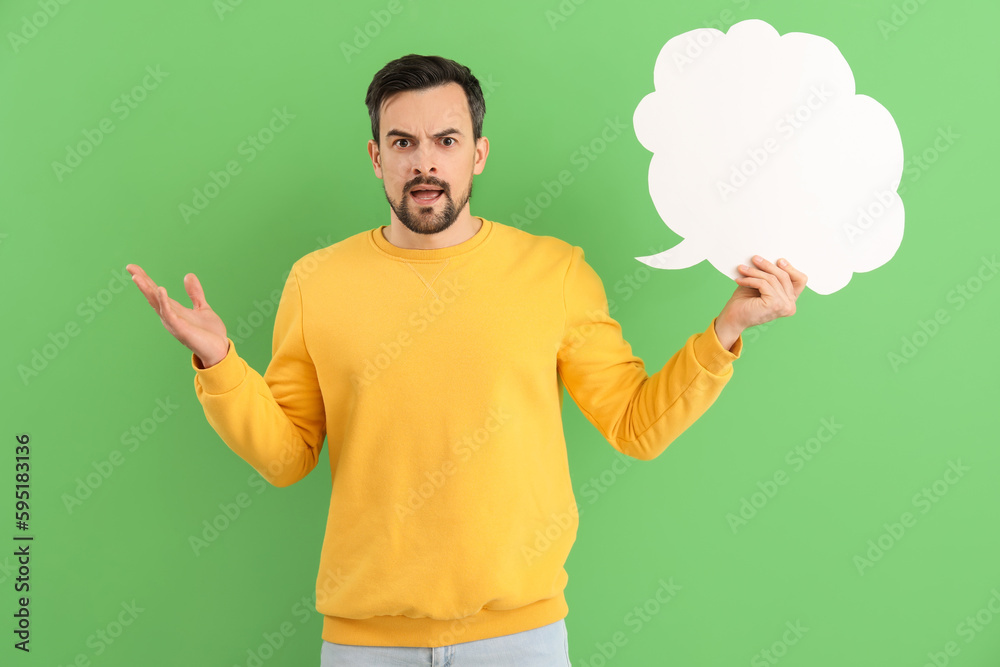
638, 414
276, 423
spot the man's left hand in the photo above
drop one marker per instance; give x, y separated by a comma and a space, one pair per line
766, 292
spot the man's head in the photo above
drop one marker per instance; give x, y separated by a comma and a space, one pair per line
427, 118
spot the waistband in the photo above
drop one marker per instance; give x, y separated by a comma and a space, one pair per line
429, 632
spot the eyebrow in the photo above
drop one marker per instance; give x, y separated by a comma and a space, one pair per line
406, 135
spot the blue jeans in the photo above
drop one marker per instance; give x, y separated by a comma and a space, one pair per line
547, 646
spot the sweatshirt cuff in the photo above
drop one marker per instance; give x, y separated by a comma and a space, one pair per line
710, 353
223, 376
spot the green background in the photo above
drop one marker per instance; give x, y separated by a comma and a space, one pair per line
553, 87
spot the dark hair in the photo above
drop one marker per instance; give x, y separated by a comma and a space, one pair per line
415, 72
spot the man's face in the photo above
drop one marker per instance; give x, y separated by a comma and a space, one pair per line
426, 142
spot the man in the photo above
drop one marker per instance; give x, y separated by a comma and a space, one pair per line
431, 353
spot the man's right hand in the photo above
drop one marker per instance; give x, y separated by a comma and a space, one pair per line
199, 328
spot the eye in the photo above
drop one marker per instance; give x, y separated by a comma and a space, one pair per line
449, 139
398, 140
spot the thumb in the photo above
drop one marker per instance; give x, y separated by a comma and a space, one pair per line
193, 287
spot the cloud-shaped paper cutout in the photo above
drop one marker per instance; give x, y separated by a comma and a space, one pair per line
761, 146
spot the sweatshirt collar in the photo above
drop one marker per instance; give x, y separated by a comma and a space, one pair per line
433, 254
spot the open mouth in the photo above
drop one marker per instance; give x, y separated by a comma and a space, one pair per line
426, 197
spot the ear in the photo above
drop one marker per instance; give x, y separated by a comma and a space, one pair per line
482, 150
376, 157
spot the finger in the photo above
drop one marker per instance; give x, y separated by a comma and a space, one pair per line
782, 300
778, 272
797, 277
161, 302
136, 274
195, 291
150, 295
169, 309
142, 275
765, 288
145, 284
772, 292
763, 275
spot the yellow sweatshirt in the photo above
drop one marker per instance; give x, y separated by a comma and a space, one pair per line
436, 377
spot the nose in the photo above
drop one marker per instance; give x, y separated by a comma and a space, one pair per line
423, 161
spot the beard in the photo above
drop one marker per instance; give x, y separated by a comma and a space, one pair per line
420, 219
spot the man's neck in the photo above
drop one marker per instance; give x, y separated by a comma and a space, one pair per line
463, 229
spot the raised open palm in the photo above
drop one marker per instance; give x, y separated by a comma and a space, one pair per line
198, 328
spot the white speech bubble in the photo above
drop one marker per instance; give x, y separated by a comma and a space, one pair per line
761, 146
